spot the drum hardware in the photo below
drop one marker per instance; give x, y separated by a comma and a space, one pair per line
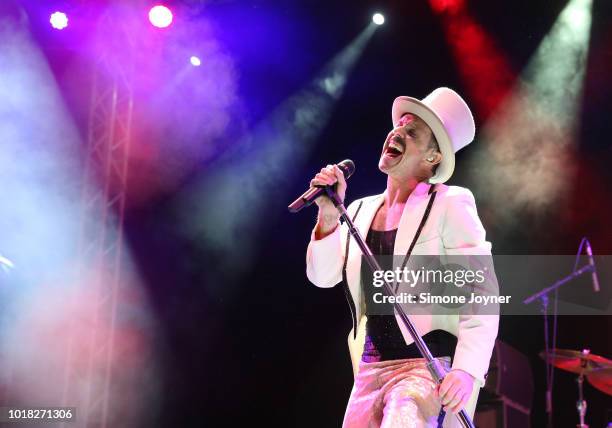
597, 370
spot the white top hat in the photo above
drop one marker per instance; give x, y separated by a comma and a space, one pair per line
450, 120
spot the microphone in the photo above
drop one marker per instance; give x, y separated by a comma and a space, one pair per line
308, 197
589, 251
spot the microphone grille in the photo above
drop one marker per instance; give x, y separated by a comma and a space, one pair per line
347, 166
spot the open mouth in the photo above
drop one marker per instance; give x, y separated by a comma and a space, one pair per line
395, 147
393, 152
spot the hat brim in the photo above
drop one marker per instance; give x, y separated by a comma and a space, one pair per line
403, 105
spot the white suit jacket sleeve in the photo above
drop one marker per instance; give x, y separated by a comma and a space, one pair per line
463, 234
325, 257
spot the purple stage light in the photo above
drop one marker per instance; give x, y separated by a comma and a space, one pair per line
58, 20
195, 61
160, 16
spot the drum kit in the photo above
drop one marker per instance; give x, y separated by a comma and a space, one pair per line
596, 369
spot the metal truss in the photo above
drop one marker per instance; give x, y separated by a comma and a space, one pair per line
90, 354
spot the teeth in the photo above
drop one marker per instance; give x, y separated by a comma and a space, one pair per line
396, 146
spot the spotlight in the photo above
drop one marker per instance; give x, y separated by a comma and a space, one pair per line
195, 61
160, 16
378, 19
58, 20
447, 6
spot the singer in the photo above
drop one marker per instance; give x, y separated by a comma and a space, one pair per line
416, 214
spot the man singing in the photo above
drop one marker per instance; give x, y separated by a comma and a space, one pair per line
416, 215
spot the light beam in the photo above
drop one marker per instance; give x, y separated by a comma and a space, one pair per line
222, 208
528, 151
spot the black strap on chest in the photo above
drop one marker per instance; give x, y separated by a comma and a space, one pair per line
432, 198
345, 287
347, 291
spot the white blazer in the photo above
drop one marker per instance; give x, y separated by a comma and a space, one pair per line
453, 228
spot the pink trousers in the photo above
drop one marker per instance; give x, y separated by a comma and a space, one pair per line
398, 393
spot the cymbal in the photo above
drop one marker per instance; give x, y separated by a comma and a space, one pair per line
601, 379
576, 361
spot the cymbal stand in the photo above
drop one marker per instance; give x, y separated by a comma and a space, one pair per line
581, 404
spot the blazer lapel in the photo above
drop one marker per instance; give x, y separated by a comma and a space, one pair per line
411, 218
409, 222
353, 266
368, 211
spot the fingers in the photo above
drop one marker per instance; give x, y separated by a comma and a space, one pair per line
341, 188
449, 390
327, 176
455, 399
442, 389
339, 175
460, 404
453, 393
322, 180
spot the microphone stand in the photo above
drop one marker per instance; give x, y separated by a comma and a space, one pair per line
543, 296
544, 293
435, 368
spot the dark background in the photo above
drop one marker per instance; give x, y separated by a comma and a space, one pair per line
246, 339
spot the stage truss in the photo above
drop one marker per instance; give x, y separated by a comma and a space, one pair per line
88, 378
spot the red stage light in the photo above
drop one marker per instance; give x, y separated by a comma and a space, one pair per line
447, 6
483, 66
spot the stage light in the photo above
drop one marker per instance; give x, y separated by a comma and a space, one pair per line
484, 68
278, 146
160, 16
378, 19
195, 61
530, 140
555, 73
447, 6
58, 20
